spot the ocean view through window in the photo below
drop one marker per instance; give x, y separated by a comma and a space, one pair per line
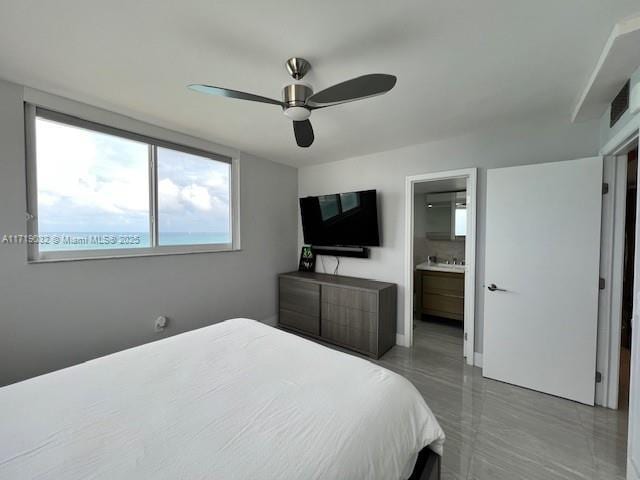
97, 191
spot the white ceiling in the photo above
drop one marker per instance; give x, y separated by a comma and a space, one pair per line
461, 64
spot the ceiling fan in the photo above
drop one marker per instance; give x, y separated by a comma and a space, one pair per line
298, 99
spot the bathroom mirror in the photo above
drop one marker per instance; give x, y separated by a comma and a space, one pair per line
446, 215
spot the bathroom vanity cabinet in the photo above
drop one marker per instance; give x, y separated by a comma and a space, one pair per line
440, 294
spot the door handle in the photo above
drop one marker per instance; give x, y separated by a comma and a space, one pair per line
493, 288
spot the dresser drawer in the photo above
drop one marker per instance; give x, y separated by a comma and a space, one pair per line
350, 337
358, 319
300, 296
299, 321
357, 299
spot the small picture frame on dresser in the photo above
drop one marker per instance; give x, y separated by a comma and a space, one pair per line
307, 260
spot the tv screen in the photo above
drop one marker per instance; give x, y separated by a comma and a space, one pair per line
341, 219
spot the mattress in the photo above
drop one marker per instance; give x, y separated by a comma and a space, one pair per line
236, 400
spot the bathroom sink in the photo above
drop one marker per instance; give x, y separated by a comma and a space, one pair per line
441, 267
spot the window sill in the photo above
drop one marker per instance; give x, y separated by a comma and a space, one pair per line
82, 256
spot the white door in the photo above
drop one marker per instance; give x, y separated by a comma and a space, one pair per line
633, 452
543, 250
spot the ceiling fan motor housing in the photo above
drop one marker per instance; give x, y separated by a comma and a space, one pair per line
295, 98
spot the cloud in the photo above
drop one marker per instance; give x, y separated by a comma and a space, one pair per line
79, 168
197, 196
168, 195
194, 189
46, 199
219, 181
173, 198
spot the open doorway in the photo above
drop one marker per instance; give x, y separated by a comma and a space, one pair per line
628, 278
619, 274
440, 260
439, 235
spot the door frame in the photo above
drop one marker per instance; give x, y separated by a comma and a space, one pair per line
611, 269
471, 176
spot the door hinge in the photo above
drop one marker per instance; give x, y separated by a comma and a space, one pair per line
466, 337
605, 188
598, 377
601, 283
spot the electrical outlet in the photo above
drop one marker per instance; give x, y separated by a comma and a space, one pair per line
161, 323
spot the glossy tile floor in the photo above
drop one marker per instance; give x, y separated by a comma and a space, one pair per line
497, 431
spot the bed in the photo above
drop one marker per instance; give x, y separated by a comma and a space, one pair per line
235, 400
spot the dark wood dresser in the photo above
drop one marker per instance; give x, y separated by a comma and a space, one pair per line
353, 313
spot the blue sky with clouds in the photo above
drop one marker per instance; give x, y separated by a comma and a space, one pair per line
193, 193
93, 182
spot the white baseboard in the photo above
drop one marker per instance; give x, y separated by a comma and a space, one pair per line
477, 359
400, 340
271, 321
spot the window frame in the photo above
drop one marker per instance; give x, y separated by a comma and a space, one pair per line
34, 255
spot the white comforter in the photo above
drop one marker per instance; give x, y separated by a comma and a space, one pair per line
236, 400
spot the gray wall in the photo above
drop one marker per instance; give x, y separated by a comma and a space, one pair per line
58, 314
518, 144
443, 249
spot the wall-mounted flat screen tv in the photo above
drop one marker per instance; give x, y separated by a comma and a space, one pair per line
341, 219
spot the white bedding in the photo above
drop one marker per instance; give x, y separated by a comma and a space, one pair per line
236, 400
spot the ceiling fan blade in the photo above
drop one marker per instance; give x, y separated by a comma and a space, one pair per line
354, 89
226, 92
304, 133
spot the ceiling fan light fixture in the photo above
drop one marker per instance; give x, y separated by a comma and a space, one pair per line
298, 98
297, 114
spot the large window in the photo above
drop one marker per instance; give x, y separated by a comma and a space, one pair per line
96, 191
